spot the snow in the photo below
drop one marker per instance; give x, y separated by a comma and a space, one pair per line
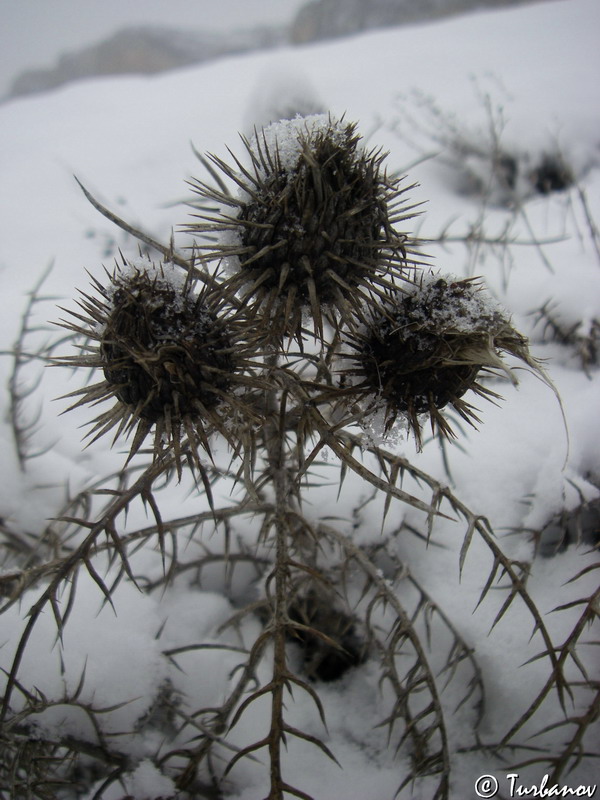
163, 274
128, 141
146, 782
117, 664
465, 309
287, 137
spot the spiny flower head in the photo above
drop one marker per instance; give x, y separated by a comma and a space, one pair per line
311, 227
426, 347
168, 356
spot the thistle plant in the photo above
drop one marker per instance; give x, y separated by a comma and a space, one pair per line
173, 360
304, 316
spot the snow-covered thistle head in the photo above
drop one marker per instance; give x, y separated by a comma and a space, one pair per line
425, 348
311, 227
168, 356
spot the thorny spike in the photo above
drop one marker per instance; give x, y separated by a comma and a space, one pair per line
305, 223
424, 348
169, 358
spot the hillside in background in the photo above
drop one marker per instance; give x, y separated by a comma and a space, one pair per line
142, 51
328, 19
146, 50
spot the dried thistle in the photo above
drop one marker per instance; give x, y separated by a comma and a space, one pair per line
170, 359
311, 227
425, 348
311, 235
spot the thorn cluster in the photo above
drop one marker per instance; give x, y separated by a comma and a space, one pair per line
311, 251
425, 348
311, 228
169, 358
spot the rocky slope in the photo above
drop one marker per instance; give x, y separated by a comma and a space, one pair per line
144, 50
325, 19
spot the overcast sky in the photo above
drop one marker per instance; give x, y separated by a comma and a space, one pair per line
33, 33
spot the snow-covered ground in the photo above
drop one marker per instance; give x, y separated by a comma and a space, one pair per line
444, 99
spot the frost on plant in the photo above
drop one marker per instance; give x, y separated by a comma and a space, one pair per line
425, 348
304, 310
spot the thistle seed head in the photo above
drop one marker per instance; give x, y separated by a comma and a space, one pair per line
167, 356
162, 347
311, 227
427, 347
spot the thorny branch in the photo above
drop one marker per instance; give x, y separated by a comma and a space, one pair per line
349, 277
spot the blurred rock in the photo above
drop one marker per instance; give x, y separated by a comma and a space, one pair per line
144, 50
326, 19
